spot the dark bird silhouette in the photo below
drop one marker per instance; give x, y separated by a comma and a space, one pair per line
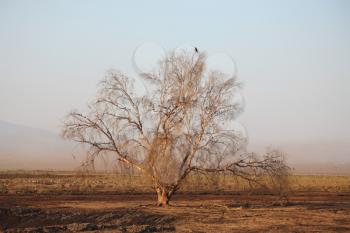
195, 49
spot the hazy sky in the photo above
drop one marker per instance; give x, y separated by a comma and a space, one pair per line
293, 57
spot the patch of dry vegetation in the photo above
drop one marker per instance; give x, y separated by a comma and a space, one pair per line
45, 182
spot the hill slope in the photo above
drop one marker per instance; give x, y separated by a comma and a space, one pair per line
23, 147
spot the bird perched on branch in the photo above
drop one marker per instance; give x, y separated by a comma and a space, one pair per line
195, 49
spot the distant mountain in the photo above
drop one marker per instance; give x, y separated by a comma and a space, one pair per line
23, 147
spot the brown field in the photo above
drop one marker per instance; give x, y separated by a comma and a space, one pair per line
71, 202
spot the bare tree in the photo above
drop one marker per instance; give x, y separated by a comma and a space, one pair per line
174, 129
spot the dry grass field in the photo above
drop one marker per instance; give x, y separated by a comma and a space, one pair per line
41, 201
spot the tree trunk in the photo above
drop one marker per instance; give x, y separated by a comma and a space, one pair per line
164, 196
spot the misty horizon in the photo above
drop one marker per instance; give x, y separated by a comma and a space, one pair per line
58, 154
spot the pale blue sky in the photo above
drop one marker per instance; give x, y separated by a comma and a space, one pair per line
293, 57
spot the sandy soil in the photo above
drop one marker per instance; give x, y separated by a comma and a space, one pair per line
304, 212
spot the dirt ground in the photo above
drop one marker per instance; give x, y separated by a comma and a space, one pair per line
304, 212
